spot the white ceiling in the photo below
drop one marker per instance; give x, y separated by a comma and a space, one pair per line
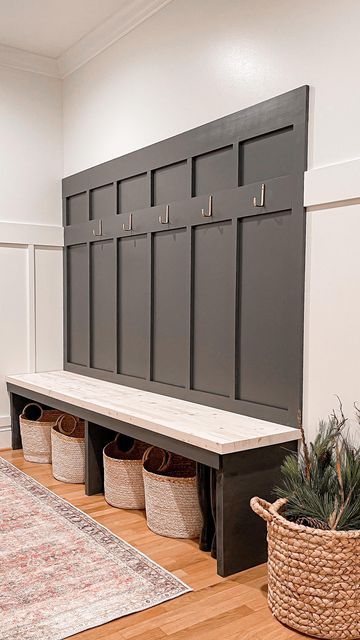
50, 27
55, 37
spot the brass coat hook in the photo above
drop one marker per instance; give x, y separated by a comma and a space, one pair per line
209, 213
99, 231
166, 219
262, 198
129, 227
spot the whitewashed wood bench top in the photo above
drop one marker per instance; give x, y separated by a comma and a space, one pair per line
213, 429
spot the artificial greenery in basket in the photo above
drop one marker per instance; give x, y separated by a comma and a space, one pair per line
313, 534
322, 484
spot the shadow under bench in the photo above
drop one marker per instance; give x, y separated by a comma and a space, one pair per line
237, 457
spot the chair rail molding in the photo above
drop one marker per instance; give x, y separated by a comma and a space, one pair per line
27, 233
335, 183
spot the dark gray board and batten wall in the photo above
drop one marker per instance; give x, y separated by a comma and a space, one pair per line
208, 309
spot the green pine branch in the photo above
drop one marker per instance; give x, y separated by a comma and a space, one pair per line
322, 484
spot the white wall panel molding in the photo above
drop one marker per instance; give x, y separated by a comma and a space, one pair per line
26, 61
31, 309
131, 14
336, 183
28, 234
31, 324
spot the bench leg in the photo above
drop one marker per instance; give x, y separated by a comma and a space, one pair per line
204, 493
17, 404
96, 437
240, 534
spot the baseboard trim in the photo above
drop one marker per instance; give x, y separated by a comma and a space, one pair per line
5, 434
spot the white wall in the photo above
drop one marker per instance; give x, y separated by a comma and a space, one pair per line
197, 60
30, 228
332, 312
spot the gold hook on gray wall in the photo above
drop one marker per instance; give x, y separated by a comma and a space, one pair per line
166, 220
129, 227
99, 231
210, 209
262, 198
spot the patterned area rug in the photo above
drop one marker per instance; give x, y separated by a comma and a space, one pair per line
61, 572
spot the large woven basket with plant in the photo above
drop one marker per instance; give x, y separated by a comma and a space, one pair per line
314, 537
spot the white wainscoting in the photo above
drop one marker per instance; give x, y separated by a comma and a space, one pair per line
332, 301
31, 305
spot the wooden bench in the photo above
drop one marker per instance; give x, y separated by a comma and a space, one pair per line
237, 456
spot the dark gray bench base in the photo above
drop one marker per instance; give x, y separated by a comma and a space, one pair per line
227, 481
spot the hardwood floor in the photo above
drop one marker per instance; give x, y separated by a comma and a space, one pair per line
231, 608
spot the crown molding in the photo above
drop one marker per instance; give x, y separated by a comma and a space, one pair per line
133, 13
26, 61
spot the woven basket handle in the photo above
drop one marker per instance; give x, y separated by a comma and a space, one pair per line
276, 506
265, 509
32, 411
261, 507
165, 457
67, 424
124, 444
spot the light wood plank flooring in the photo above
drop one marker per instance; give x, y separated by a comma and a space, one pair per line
231, 608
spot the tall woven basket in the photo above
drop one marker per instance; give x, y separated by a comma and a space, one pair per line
35, 427
314, 575
68, 454
123, 480
171, 498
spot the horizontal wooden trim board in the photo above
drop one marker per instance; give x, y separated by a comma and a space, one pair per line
37, 234
333, 183
211, 429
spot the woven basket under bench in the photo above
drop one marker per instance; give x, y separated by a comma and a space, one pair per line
68, 452
35, 427
171, 498
123, 480
314, 575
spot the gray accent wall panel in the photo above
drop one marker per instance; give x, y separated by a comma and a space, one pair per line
102, 309
133, 309
170, 307
78, 304
201, 299
214, 171
133, 193
77, 209
171, 183
214, 298
265, 314
267, 156
102, 202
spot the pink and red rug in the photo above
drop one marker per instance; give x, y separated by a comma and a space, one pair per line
61, 572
